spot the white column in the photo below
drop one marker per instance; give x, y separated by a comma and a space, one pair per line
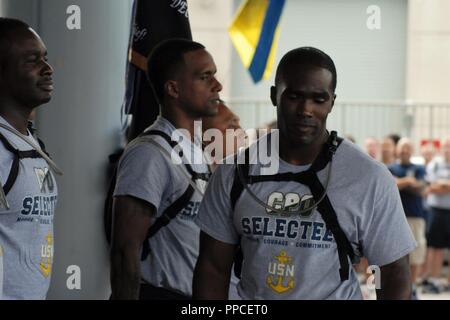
428, 67
81, 127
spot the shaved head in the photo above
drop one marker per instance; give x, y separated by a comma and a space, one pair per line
405, 150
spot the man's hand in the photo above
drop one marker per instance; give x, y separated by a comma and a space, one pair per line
131, 221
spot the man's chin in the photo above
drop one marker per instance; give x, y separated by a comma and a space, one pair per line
37, 102
45, 101
303, 140
211, 112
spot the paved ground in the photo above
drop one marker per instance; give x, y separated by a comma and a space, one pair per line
370, 294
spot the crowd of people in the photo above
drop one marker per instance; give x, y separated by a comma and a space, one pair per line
423, 181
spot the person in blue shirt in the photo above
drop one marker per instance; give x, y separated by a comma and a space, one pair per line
410, 180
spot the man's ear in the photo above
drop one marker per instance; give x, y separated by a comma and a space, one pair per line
171, 89
273, 95
332, 103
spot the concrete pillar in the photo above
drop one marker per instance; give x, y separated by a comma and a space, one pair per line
428, 71
81, 127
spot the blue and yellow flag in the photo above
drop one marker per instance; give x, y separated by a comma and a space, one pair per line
254, 33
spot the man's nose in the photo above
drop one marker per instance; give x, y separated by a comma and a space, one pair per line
47, 69
305, 107
217, 87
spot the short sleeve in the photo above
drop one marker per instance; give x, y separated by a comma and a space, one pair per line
143, 173
386, 235
215, 216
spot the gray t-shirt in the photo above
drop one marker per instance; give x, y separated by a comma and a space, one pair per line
146, 173
26, 229
437, 170
295, 257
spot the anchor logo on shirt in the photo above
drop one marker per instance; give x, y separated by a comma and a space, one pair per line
46, 256
281, 278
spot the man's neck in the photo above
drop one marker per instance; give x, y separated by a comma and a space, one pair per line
17, 117
388, 160
182, 122
301, 154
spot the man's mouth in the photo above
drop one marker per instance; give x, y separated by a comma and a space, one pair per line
216, 101
304, 126
46, 85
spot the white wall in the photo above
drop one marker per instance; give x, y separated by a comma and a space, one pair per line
370, 63
81, 127
21, 9
209, 21
428, 73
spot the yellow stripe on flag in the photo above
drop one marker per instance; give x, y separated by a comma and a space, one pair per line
245, 32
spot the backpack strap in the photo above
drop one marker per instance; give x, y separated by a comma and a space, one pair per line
17, 156
171, 211
329, 216
175, 146
167, 216
309, 178
237, 188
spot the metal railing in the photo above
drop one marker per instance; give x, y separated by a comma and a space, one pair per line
363, 119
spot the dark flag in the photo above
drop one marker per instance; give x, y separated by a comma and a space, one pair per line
153, 21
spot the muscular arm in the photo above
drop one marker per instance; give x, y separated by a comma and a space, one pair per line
403, 183
130, 225
213, 269
439, 187
411, 185
395, 281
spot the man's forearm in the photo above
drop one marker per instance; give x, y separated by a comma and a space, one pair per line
439, 188
402, 183
209, 283
395, 281
417, 188
125, 276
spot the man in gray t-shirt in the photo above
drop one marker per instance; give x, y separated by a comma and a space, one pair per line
28, 193
148, 181
295, 255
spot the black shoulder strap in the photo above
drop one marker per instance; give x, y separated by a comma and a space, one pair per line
325, 207
321, 161
244, 168
175, 146
329, 216
167, 216
17, 155
14, 171
171, 211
